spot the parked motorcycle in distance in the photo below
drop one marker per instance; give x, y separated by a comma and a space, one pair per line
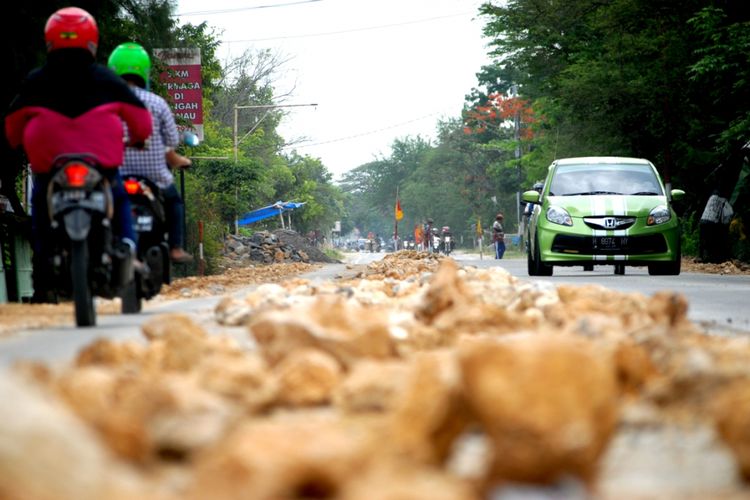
86, 259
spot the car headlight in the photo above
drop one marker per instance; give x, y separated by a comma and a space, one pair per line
658, 215
558, 215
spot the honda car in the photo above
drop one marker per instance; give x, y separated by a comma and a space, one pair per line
603, 211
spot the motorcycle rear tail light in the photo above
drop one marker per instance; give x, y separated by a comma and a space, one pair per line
132, 186
76, 174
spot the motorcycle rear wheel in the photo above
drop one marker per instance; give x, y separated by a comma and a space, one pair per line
82, 296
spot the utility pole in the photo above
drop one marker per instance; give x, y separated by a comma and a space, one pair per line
517, 138
236, 140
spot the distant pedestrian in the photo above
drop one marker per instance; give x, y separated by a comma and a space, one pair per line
714, 229
418, 236
498, 236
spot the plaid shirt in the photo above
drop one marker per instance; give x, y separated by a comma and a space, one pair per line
150, 161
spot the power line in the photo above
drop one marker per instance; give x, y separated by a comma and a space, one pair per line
239, 9
363, 134
353, 30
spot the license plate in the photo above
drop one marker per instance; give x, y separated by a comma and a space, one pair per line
610, 242
144, 223
76, 194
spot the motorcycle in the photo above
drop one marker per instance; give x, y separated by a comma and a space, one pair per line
435, 243
150, 224
86, 259
447, 244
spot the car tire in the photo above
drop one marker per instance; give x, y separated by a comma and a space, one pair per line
665, 268
671, 268
535, 265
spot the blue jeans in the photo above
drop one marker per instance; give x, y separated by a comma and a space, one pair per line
499, 249
174, 209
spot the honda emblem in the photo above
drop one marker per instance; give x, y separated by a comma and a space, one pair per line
610, 222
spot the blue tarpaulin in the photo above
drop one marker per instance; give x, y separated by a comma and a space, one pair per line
267, 212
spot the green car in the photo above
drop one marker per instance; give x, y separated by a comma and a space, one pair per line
603, 211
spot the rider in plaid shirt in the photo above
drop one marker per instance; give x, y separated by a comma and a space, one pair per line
132, 63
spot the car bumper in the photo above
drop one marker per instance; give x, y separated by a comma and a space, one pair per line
561, 245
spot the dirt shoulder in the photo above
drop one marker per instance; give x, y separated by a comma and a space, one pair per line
16, 317
692, 265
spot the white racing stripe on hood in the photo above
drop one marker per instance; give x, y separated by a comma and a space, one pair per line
598, 208
619, 208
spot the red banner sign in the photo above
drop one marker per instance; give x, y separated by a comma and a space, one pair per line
184, 87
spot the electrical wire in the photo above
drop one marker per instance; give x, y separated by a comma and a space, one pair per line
353, 30
363, 134
239, 9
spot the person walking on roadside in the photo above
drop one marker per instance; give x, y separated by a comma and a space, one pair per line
418, 237
498, 236
714, 229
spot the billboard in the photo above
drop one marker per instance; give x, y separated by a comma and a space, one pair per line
184, 87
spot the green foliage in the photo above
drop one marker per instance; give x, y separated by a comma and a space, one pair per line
690, 236
333, 254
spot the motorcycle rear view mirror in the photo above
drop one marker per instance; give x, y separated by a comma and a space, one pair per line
190, 138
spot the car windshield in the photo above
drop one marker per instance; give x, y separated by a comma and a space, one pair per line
610, 178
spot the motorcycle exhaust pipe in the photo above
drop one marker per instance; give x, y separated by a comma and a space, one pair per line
122, 268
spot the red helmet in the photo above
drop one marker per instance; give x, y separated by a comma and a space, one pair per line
71, 28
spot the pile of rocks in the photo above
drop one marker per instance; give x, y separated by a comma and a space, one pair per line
270, 247
438, 382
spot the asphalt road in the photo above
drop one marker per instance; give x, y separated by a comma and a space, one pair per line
60, 344
718, 303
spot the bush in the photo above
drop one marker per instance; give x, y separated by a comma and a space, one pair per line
690, 235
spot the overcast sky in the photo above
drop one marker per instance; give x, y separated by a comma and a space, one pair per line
377, 69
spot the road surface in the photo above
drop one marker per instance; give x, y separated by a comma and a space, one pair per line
718, 303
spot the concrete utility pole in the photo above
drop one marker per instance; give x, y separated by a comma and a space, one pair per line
517, 138
236, 140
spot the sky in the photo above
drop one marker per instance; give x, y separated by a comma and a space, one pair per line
377, 70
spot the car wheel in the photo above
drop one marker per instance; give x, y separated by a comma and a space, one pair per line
530, 263
540, 268
671, 268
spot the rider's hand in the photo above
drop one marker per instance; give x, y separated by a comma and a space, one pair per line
176, 160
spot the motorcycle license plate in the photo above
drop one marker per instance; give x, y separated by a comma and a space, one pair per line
144, 223
610, 242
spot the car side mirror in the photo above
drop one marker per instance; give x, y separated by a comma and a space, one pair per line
531, 196
677, 194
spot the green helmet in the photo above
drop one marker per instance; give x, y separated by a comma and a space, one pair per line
130, 59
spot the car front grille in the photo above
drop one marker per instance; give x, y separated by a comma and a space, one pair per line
609, 222
628, 245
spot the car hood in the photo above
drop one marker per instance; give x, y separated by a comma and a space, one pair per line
593, 205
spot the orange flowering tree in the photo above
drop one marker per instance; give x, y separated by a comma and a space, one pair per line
497, 111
